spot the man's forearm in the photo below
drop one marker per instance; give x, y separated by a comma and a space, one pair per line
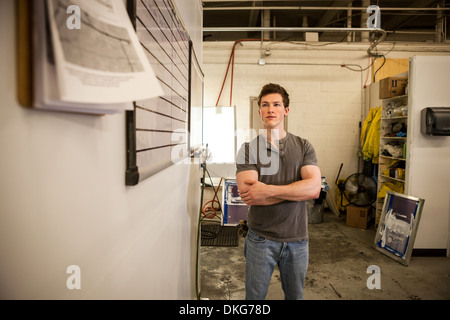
296, 191
260, 194
254, 192
267, 202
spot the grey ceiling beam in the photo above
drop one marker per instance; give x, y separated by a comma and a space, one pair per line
330, 15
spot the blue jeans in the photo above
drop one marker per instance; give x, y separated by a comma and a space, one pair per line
262, 255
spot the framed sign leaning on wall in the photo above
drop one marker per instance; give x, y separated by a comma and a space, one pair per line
398, 226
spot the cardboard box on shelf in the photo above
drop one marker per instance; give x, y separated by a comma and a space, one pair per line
392, 87
359, 217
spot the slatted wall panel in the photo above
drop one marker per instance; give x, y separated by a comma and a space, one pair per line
160, 124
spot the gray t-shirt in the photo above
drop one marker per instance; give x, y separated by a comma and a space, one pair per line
286, 221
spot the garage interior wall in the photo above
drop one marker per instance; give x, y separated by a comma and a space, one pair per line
64, 201
428, 172
327, 99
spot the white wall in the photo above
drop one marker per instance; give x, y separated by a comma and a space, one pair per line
64, 202
326, 99
429, 156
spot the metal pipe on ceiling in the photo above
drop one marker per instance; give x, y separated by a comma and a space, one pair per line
320, 8
206, 1
248, 8
309, 29
411, 32
299, 29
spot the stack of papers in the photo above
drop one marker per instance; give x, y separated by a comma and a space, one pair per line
87, 58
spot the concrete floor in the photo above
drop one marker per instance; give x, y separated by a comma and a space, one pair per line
339, 258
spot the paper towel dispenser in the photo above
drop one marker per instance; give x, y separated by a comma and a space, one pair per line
435, 121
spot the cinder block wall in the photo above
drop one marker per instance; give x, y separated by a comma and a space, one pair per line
327, 99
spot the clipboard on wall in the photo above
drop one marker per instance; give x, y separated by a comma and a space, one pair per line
64, 66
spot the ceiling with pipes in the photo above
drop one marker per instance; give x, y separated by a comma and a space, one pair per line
403, 20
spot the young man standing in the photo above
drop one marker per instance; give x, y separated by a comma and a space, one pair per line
276, 172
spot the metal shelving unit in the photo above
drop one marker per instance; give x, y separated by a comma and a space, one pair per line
393, 137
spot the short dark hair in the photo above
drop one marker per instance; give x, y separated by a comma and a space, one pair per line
274, 88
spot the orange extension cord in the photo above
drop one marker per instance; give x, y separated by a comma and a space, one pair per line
211, 208
231, 62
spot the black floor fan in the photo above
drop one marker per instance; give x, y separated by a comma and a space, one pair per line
359, 189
